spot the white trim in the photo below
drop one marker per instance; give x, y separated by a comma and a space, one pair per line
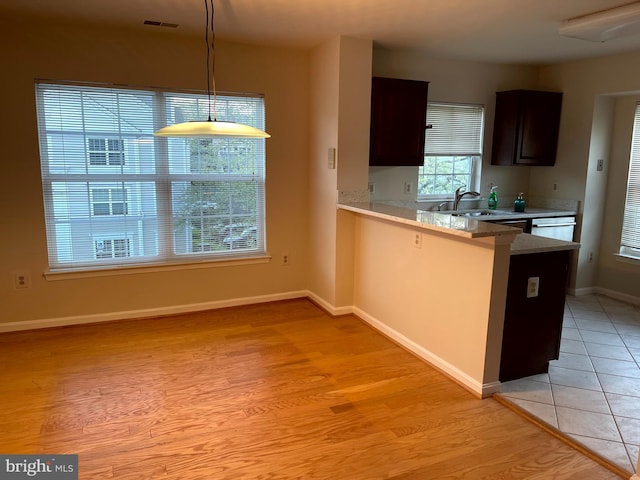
482, 390
331, 309
621, 257
55, 275
618, 296
605, 291
147, 312
577, 292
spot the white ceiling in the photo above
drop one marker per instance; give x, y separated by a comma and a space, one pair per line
504, 31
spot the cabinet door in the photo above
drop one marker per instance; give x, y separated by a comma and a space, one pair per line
539, 125
398, 122
526, 126
533, 324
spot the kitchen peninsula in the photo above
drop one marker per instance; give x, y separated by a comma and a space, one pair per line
437, 284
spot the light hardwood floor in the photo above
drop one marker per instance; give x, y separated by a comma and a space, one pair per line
271, 391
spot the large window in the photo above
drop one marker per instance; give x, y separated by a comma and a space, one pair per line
116, 195
453, 150
630, 241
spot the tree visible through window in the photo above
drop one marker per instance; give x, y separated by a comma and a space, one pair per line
453, 150
116, 194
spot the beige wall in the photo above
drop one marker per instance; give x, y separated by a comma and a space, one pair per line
582, 84
444, 301
340, 106
146, 57
459, 82
611, 273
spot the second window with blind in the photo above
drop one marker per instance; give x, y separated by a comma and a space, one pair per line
453, 150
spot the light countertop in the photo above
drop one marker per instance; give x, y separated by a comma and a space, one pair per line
440, 222
467, 227
526, 243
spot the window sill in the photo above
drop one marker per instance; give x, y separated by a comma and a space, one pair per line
621, 257
138, 269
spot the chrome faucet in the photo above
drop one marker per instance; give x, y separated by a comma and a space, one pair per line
457, 196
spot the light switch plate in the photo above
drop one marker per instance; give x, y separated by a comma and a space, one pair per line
532, 287
331, 160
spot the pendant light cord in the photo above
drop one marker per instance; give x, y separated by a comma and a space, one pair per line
210, 39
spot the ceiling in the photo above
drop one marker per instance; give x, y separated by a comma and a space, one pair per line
502, 31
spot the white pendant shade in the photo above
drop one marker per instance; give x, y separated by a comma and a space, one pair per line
211, 129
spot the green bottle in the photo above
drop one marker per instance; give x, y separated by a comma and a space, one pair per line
493, 198
519, 204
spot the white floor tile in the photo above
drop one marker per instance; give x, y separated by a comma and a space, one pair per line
614, 451
602, 338
588, 424
595, 326
571, 360
569, 333
620, 385
624, 405
608, 351
546, 413
580, 399
572, 346
610, 366
574, 378
629, 429
525, 389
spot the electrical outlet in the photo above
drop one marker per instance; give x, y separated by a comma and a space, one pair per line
372, 188
532, 286
284, 260
590, 257
408, 188
417, 241
600, 165
556, 187
21, 280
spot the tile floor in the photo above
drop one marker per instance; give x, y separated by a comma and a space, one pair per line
592, 392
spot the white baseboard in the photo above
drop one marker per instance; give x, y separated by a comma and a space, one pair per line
618, 296
147, 312
482, 390
331, 309
577, 292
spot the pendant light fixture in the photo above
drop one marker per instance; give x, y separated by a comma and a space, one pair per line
211, 127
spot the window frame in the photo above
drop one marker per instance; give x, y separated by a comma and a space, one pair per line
109, 176
629, 247
465, 151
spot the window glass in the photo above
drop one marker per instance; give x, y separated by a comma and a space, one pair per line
453, 150
630, 239
116, 195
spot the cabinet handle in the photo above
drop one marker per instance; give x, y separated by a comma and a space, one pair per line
547, 225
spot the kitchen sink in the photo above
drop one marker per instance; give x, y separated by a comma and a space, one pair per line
477, 213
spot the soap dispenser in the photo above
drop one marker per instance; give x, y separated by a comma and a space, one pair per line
519, 204
493, 197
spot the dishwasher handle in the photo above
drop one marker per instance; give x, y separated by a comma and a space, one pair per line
548, 225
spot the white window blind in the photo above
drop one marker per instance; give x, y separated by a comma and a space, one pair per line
456, 129
630, 241
116, 195
453, 150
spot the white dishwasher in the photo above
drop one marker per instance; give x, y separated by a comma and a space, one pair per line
560, 228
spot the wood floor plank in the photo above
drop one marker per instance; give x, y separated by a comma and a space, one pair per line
270, 391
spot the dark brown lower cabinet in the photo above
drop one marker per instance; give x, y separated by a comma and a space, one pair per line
533, 324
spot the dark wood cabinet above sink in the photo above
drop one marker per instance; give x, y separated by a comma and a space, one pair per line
398, 122
526, 128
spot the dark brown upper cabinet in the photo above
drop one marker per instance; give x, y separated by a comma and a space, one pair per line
398, 122
526, 126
